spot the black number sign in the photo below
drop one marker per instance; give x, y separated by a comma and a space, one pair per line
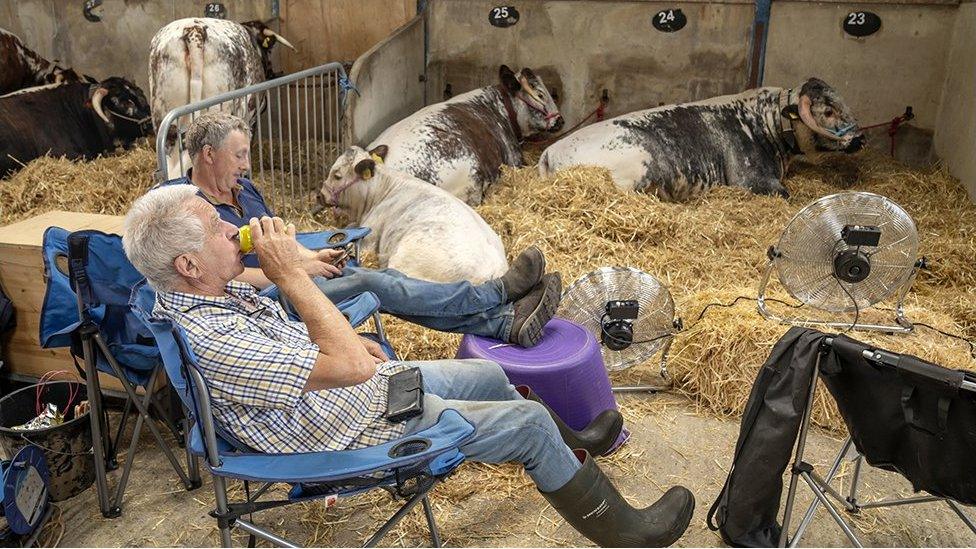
671, 20
503, 16
215, 10
87, 10
861, 23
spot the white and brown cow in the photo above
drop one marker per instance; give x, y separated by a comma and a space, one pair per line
21, 67
418, 229
196, 58
461, 144
745, 140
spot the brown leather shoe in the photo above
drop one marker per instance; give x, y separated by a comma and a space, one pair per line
533, 311
524, 274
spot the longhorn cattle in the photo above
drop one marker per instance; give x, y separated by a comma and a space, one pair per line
461, 144
744, 140
418, 229
21, 67
193, 59
76, 120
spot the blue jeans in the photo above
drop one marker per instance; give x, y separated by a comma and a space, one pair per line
459, 307
508, 427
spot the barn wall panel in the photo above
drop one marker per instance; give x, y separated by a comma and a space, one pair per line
389, 79
955, 130
583, 47
338, 30
902, 64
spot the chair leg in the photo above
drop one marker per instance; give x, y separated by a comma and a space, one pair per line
435, 536
143, 410
97, 428
808, 516
795, 471
401, 512
192, 465
220, 495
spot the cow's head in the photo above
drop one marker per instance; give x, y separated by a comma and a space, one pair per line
829, 123
532, 99
265, 39
123, 107
350, 177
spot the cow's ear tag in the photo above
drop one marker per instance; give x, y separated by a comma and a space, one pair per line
266, 43
376, 158
367, 173
792, 112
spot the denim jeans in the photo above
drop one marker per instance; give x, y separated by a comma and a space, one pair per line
508, 427
460, 307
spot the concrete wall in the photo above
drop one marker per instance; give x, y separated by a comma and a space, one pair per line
582, 47
878, 75
955, 128
389, 78
118, 45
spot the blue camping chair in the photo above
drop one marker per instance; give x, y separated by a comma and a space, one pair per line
86, 308
408, 467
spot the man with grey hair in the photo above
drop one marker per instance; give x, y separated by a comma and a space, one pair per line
285, 386
512, 308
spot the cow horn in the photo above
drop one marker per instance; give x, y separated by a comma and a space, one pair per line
527, 88
807, 117
97, 97
269, 32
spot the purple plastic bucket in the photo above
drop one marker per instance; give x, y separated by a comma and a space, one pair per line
565, 369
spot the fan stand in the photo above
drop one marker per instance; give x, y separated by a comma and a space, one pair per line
664, 374
902, 326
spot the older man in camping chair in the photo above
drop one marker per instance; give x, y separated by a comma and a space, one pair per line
285, 386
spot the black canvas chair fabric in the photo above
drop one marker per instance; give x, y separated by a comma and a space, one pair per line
912, 418
745, 512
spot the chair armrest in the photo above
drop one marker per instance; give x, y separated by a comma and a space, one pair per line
332, 239
445, 436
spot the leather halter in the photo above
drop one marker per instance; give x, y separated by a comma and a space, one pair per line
788, 114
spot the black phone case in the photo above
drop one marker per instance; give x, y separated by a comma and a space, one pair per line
405, 397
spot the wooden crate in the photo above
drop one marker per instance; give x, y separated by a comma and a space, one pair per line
22, 279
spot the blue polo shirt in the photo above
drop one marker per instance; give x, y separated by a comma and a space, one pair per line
250, 203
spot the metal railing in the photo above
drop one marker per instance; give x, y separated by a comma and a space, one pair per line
296, 123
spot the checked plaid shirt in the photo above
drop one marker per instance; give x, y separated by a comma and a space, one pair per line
256, 362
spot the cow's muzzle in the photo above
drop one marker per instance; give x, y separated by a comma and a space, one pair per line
558, 124
856, 144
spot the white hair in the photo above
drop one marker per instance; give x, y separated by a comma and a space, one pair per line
160, 227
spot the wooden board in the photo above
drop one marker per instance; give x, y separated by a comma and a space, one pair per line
22, 279
337, 30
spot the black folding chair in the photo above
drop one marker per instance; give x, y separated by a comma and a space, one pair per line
904, 415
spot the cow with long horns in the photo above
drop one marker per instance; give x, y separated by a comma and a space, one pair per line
21, 67
195, 58
76, 120
744, 140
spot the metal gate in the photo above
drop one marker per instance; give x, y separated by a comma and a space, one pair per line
296, 124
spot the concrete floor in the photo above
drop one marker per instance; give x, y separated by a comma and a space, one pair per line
498, 506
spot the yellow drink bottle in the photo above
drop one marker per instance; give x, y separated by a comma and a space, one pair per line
244, 235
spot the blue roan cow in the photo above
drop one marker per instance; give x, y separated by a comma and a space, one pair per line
76, 120
744, 140
461, 144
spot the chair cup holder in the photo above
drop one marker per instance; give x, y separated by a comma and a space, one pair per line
409, 447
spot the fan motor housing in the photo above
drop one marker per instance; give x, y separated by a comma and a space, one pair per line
852, 266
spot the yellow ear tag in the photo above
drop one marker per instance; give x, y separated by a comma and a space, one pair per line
244, 235
376, 158
367, 173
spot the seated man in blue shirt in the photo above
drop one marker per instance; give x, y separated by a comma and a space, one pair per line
285, 386
513, 308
